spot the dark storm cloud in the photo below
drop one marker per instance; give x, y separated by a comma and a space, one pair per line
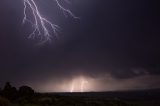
117, 38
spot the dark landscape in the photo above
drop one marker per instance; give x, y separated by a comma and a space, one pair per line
26, 96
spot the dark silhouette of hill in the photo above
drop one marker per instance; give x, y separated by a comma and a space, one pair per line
26, 96
147, 94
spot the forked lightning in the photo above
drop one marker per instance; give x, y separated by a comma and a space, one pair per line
42, 27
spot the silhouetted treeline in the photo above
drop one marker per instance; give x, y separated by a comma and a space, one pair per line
25, 96
13, 94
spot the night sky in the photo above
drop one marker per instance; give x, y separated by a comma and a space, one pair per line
113, 46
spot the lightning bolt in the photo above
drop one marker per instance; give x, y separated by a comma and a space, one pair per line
72, 87
83, 82
41, 25
81, 85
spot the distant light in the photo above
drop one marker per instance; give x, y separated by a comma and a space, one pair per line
79, 84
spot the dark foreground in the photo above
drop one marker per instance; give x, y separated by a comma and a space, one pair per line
127, 98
